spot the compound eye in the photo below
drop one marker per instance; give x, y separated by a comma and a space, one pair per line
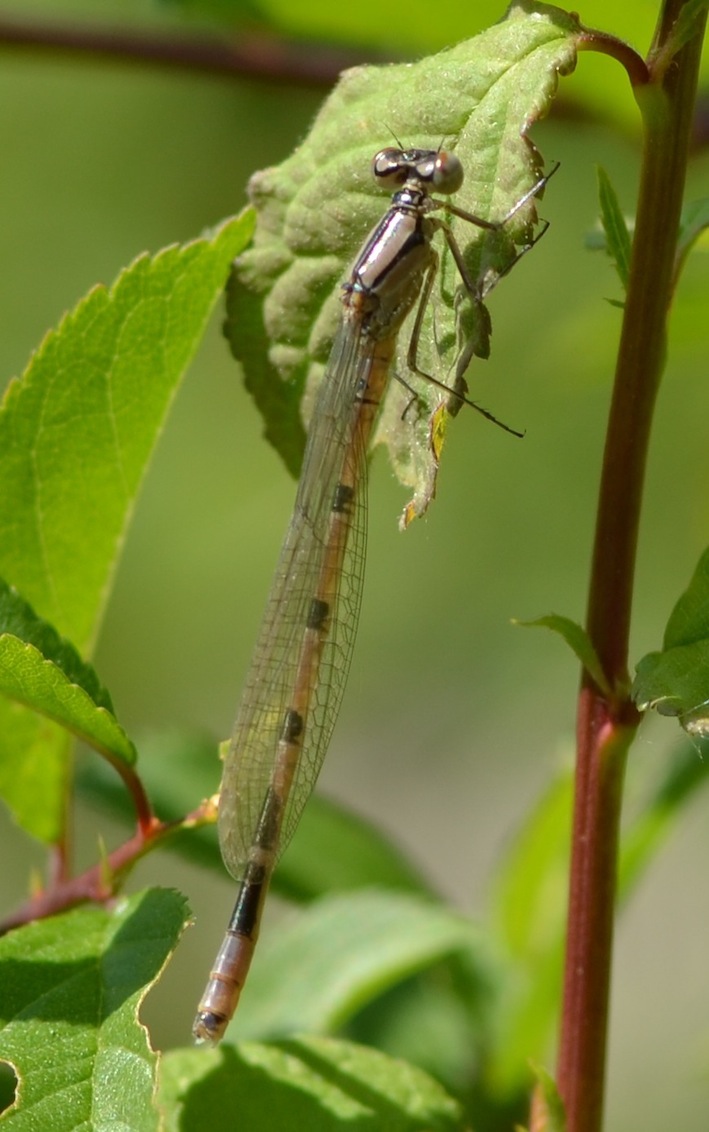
448, 172
389, 168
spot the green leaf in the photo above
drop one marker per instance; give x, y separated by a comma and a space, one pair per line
75, 437
40, 669
693, 224
577, 639
529, 907
683, 773
555, 1113
528, 918
687, 25
34, 769
340, 954
531, 887
618, 242
358, 856
18, 619
312, 1083
439, 1019
70, 990
479, 98
675, 680
77, 431
689, 621
27, 677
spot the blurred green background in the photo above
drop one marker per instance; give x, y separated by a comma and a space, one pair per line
453, 720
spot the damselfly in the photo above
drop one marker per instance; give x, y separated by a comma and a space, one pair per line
299, 668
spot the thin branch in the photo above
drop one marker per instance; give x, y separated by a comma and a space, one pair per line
249, 56
136, 789
101, 882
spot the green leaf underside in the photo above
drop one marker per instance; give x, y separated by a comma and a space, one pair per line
339, 954
617, 241
72, 985
675, 680
315, 209
312, 1083
76, 433
576, 638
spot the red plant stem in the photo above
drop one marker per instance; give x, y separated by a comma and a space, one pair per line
143, 808
601, 42
96, 884
100, 883
606, 723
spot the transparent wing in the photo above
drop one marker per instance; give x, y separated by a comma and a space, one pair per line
336, 447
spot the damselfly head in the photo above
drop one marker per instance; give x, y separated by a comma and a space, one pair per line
436, 170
